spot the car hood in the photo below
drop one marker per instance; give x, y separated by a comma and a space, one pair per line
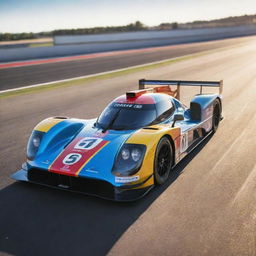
77, 148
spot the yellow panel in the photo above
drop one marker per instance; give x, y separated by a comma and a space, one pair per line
47, 124
150, 138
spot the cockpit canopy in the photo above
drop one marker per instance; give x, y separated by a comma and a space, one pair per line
133, 113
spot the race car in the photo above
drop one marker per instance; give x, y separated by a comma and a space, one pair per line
132, 146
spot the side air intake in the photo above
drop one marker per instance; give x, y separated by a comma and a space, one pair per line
195, 111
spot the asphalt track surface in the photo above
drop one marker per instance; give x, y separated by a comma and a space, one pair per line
207, 207
14, 77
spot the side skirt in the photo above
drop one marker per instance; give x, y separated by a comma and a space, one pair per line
193, 146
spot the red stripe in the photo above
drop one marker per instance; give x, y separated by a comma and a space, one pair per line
71, 170
86, 56
142, 99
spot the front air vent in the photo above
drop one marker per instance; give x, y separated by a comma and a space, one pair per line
150, 128
78, 184
60, 117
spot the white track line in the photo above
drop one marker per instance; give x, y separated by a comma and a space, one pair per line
93, 75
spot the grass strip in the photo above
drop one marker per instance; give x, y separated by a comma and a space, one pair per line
129, 70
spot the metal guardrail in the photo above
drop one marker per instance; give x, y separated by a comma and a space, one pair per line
124, 43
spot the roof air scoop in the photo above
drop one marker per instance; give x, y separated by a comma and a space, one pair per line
136, 93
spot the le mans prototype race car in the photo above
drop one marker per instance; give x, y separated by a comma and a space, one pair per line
132, 146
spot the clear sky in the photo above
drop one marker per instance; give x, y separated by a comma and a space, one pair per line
46, 15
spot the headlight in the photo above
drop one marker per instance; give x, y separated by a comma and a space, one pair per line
33, 144
136, 154
125, 153
36, 142
129, 159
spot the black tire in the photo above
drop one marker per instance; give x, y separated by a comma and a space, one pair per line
216, 115
163, 161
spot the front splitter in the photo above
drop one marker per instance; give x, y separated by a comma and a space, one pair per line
120, 194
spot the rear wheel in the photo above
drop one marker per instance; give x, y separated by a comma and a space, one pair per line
163, 161
216, 115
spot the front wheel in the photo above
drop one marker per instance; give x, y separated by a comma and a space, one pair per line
163, 161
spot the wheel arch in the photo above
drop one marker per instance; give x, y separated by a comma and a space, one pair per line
150, 138
169, 137
220, 101
200, 103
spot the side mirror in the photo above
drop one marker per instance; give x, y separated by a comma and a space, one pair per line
177, 117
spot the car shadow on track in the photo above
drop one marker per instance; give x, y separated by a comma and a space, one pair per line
36, 220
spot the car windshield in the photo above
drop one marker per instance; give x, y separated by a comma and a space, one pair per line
126, 116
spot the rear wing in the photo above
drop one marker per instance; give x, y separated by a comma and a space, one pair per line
165, 85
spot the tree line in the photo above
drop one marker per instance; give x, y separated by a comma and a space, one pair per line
136, 26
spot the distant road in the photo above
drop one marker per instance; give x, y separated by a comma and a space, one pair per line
24, 75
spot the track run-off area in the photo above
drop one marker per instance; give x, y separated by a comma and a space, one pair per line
207, 207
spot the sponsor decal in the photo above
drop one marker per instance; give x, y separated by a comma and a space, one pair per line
183, 142
127, 105
65, 168
209, 112
208, 125
91, 170
46, 162
177, 147
126, 179
63, 186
